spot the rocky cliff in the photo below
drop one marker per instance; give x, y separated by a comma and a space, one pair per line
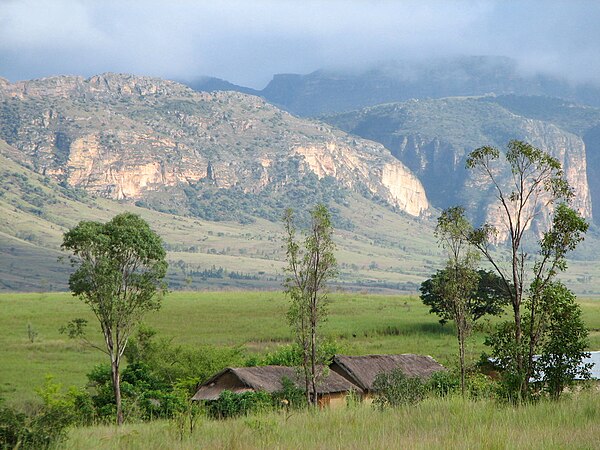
150, 140
434, 137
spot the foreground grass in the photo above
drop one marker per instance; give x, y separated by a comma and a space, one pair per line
435, 423
255, 321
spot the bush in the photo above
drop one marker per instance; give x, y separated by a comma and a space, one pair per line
43, 428
394, 389
230, 404
291, 396
443, 383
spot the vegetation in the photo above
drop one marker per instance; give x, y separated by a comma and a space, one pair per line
489, 298
439, 423
535, 182
395, 389
120, 268
459, 278
310, 268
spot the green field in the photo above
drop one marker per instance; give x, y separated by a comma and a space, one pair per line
359, 323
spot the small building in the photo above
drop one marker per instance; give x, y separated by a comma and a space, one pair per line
362, 370
332, 390
594, 359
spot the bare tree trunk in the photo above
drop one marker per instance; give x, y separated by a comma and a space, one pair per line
313, 339
117, 390
461, 346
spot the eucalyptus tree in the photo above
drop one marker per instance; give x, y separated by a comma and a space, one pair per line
120, 267
529, 184
455, 284
310, 266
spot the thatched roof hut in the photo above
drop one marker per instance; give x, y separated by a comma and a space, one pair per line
268, 379
362, 370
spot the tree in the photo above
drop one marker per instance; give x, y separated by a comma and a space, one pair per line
308, 271
456, 283
564, 342
488, 298
533, 187
120, 270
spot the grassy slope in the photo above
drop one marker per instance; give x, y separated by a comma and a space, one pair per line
34, 213
255, 320
445, 423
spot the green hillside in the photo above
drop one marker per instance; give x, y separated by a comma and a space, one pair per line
383, 250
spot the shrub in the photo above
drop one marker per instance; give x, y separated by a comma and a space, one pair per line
394, 389
443, 383
42, 428
291, 396
230, 404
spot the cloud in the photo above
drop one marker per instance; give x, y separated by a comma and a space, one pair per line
247, 42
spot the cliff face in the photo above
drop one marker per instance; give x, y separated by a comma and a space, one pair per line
434, 137
126, 137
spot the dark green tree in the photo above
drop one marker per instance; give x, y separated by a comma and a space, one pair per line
563, 340
488, 299
120, 267
531, 190
309, 269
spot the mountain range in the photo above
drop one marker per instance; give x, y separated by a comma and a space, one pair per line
214, 170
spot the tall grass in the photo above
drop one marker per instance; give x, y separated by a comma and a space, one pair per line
434, 423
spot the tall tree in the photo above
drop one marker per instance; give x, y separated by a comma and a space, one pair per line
310, 267
120, 270
528, 183
457, 282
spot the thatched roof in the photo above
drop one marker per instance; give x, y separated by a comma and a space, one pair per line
265, 378
362, 370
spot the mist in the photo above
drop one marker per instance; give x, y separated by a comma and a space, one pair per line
247, 42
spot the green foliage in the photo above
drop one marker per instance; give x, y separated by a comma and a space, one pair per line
394, 389
230, 404
489, 298
536, 181
505, 354
144, 395
310, 267
291, 355
443, 383
120, 268
455, 284
43, 426
564, 343
179, 365
290, 397
209, 202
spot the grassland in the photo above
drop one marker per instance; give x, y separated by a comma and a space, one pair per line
435, 423
359, 323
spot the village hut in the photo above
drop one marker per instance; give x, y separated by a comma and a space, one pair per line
362, 370
331, 390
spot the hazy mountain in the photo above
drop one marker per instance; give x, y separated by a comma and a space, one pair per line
331, 91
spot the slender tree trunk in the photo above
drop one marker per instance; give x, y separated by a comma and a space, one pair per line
117, 390
313, 362
461, 345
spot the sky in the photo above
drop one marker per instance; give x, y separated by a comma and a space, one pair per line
247, 42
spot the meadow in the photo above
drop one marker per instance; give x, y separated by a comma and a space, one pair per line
31, 347
255, 321
448, 423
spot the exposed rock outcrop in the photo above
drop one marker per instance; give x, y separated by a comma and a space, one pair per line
126, 137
